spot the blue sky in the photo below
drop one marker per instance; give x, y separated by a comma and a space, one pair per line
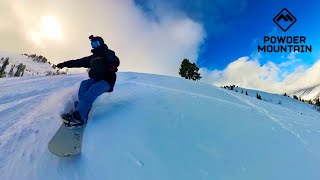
235, 27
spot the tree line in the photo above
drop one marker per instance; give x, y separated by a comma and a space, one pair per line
37, 58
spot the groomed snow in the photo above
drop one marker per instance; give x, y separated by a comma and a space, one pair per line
158, 127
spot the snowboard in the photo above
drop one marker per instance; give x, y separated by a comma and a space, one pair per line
67, 141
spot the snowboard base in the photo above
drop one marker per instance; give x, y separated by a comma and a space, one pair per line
67, 141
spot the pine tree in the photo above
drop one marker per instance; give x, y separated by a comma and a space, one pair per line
317, 104
189, 70
11, 70
49, 73
258, 96
32, 56
246, 93
3, 68
23, 69
20, 68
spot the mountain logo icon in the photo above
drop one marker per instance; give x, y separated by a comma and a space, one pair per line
284, 19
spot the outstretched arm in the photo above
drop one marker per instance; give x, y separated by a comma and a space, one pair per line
82, 62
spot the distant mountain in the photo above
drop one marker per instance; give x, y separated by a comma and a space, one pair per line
16, 65
311, 93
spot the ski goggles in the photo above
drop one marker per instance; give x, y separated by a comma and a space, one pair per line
95, 44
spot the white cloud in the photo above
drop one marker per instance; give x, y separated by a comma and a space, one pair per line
291, 60
249, 73
143, 44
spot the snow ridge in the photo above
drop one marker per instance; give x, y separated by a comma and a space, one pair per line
29, 65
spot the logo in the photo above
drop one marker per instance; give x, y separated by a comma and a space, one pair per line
282, 44
284, 19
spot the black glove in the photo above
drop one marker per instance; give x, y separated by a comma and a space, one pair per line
60, 65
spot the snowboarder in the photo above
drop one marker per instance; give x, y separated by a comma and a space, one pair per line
103, 64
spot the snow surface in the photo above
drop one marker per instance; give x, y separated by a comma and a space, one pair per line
158, 127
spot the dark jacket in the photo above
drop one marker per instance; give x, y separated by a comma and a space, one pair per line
103, 64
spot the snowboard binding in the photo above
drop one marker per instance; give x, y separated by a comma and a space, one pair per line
68, 124
73, 118
70, 121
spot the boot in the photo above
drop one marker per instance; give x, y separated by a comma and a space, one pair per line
73, 119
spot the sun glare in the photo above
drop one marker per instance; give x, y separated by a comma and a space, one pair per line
50, 28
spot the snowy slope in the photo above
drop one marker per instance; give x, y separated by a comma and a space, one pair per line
280, 100
33, 68
158, 127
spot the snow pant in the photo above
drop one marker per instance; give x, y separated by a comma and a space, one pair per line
89, 91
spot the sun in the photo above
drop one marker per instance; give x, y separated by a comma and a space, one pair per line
50, 28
